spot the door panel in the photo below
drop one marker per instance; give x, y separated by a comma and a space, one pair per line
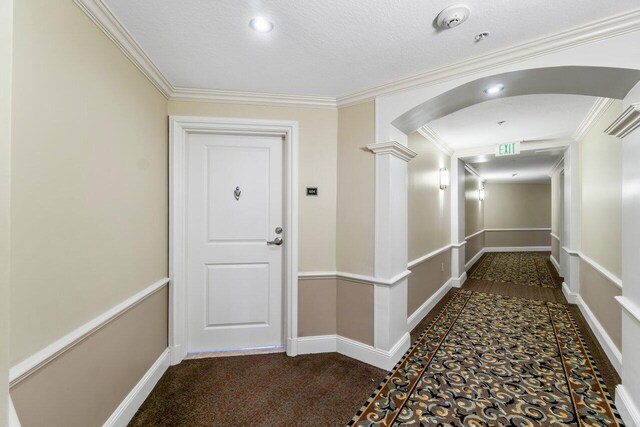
234, 278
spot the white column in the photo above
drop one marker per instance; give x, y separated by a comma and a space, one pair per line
627, 126
571, 219
458, 242
391, 249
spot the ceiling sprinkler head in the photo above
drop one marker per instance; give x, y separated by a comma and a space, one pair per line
452, 16
501, 122
482, 36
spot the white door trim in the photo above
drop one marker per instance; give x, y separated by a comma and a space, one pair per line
179, 128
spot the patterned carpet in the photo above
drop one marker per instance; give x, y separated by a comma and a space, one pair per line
492, 360
524, 268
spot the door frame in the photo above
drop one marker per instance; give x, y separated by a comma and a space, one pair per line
179, 128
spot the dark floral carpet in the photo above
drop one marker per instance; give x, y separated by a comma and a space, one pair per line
493, 360
524, 268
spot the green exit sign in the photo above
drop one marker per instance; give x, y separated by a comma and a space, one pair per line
509, 149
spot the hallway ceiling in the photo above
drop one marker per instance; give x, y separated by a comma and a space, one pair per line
528, 117
332, 47
530, 167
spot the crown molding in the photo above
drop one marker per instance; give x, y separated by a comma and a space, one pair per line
432, 136
253, 98
589, 33
394, 148
595, 112
555, 167
104, 18
626, 123
473, 171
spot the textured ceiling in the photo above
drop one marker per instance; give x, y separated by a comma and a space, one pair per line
332, 47
526, 118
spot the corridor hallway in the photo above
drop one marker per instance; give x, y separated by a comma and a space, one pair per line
485, 352
489, 353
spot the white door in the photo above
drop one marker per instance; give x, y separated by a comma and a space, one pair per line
234, 262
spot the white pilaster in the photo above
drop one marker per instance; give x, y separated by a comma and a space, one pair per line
627, 127
571, 219
391, 246
457, 221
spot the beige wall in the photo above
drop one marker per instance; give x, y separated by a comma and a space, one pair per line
428, 206
598, 293
474, 208
356, 180
517, 206
89, 176
474, 245
84, 385
601, 193
317, 168
6, 32
601, 219
517, 238
355, 310
317, 307
426, 278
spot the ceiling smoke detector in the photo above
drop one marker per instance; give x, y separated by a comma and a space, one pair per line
453, 16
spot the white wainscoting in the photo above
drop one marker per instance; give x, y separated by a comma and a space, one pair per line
629, 412
136, 397
34, 362
417, 316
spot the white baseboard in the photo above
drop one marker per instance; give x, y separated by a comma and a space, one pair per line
428, 305
127, 409
629, 412
459, 281
612, 352
518, 249
555, 263
317, 344
354, 349
14, 421
475, 258
571, 297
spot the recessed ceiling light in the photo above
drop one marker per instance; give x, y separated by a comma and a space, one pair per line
261, 25
492, 90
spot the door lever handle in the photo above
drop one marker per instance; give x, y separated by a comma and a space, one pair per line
277, 241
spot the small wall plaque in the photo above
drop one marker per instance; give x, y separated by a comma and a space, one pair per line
312, 191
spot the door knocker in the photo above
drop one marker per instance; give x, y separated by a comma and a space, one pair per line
237, 193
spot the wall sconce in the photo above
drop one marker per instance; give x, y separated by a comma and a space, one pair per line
444, 178
481, 193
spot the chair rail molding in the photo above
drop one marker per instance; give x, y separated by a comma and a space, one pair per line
36, 361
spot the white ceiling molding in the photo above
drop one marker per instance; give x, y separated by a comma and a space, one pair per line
102, 16
594, 114
394, 148
432, 136
605, 28
626, 123
556, 166
254, 98
472, 171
